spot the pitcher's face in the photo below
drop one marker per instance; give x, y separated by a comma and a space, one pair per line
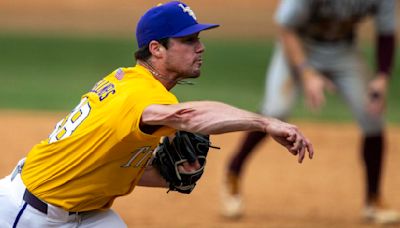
184, 56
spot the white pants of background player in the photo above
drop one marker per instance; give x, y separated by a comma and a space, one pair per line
339, 62
14, 212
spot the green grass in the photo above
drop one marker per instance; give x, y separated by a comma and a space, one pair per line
52, 72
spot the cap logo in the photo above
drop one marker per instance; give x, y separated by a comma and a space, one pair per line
188, 10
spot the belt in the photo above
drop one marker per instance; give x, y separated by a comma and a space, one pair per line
38, 204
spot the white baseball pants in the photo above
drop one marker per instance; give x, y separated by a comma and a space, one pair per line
15, 212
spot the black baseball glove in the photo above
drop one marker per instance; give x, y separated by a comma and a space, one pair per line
185, 147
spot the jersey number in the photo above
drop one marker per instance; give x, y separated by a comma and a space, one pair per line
67, 126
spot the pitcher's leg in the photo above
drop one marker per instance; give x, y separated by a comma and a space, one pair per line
9, 207
102, 219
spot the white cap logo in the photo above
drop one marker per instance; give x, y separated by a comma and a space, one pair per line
188, 10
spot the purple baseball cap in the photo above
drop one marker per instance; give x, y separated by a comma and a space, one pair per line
173, 19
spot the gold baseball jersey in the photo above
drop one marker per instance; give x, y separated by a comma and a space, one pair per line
98, 152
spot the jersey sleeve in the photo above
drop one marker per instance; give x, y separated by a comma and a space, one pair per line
385, 20
144, 93
292, 13
161, 98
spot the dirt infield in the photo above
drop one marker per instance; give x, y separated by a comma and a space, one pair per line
324, 192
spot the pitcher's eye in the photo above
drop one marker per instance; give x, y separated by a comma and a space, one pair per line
191, 40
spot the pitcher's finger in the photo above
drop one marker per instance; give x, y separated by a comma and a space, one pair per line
310, 150
302, 154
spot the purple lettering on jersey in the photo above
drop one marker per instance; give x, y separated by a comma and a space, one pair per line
103, 88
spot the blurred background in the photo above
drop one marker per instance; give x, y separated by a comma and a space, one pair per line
53, 51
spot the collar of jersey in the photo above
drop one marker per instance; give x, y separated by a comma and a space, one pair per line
147, 74
145, 71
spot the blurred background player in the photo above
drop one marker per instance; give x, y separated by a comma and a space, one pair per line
317, 51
